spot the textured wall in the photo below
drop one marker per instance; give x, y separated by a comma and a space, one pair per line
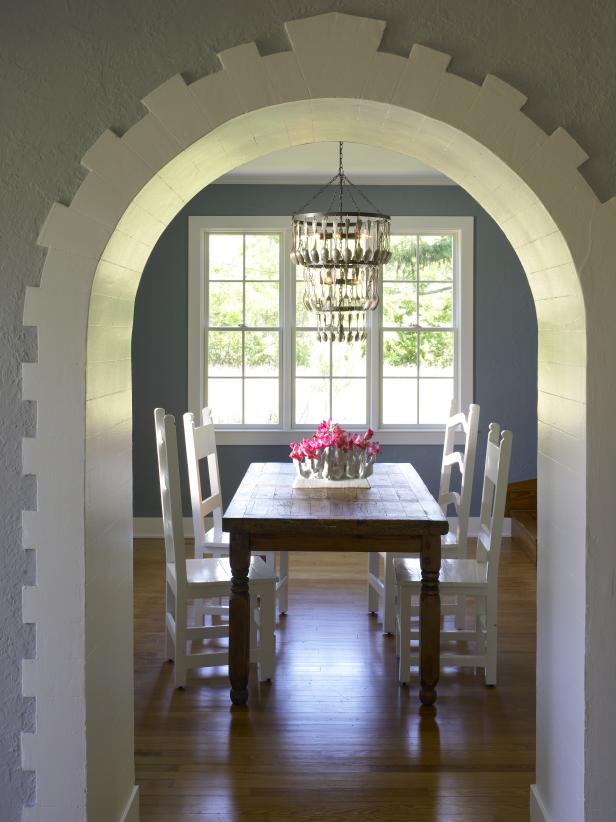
71, 70
505, 335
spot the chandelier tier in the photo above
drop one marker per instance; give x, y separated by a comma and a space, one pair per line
342, 254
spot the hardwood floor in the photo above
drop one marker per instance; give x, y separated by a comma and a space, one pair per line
334, 738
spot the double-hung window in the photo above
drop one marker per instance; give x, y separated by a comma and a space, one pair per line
253, 353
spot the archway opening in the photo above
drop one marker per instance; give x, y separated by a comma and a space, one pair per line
527, 224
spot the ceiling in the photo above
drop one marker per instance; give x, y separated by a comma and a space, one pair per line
318, 162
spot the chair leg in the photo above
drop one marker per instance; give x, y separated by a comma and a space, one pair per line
169, 609
267, 637
373, 596
491, 643
283, 591
404, 638
389, 605
180, 668
254, 605
460, 613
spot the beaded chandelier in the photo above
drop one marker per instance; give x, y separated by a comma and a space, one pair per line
342, 254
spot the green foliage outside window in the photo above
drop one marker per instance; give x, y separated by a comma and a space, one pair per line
432, 294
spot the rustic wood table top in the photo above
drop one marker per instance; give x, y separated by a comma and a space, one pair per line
397, 503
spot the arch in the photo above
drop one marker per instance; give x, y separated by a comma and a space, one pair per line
333, 84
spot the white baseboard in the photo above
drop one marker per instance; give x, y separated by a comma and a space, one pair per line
131, 811
152, 527
538, 812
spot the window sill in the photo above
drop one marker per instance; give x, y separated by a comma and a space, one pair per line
433, 436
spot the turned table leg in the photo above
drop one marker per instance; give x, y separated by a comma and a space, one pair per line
429, 619
239, 617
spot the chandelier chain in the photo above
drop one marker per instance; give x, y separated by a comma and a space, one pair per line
340, 174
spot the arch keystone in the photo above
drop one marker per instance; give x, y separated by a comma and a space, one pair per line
335, 52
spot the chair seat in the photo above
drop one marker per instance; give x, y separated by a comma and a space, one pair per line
215, 574
454, 573
215, 538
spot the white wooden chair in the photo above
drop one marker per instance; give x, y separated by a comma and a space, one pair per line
477, 578
201, 579
201, 445
455, 543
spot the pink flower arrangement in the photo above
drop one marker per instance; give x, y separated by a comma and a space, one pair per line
334, 453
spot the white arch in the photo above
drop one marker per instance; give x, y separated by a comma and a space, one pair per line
332, 85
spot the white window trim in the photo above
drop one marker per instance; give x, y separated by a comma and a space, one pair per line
461, 227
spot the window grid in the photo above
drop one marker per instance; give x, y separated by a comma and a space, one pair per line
243, 328
418, 329
330, 376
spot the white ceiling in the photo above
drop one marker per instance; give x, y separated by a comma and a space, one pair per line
318, 162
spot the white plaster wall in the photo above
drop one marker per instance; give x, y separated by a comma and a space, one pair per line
58, 385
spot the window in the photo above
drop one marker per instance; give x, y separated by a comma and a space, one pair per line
417, 330
242, 329
253, 353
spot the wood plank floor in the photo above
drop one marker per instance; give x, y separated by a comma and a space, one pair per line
334, 738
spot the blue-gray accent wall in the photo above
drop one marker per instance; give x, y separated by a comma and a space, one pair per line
505, 336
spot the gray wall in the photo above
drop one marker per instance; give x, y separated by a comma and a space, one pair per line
71, 70
505, 336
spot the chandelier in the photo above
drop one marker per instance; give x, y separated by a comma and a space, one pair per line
342, 254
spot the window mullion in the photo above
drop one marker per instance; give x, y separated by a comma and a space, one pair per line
287, 332
331, 381
418, 332
243, 329
374, 362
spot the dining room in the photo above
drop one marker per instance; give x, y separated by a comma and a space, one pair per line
355, 457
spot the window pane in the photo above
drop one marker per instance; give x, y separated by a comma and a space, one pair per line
226, 257
224, 353
224, 397
311, 401
399, 304
261, 353
225, 304
436, 354
262, 256
261, 304
436, 257
399, 402
435, 304
311, 356
302, 317
399, 353
434, 400
348, 359
402, 265
349, 402
261, 402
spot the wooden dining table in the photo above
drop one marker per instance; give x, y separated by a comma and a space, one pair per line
395, 513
